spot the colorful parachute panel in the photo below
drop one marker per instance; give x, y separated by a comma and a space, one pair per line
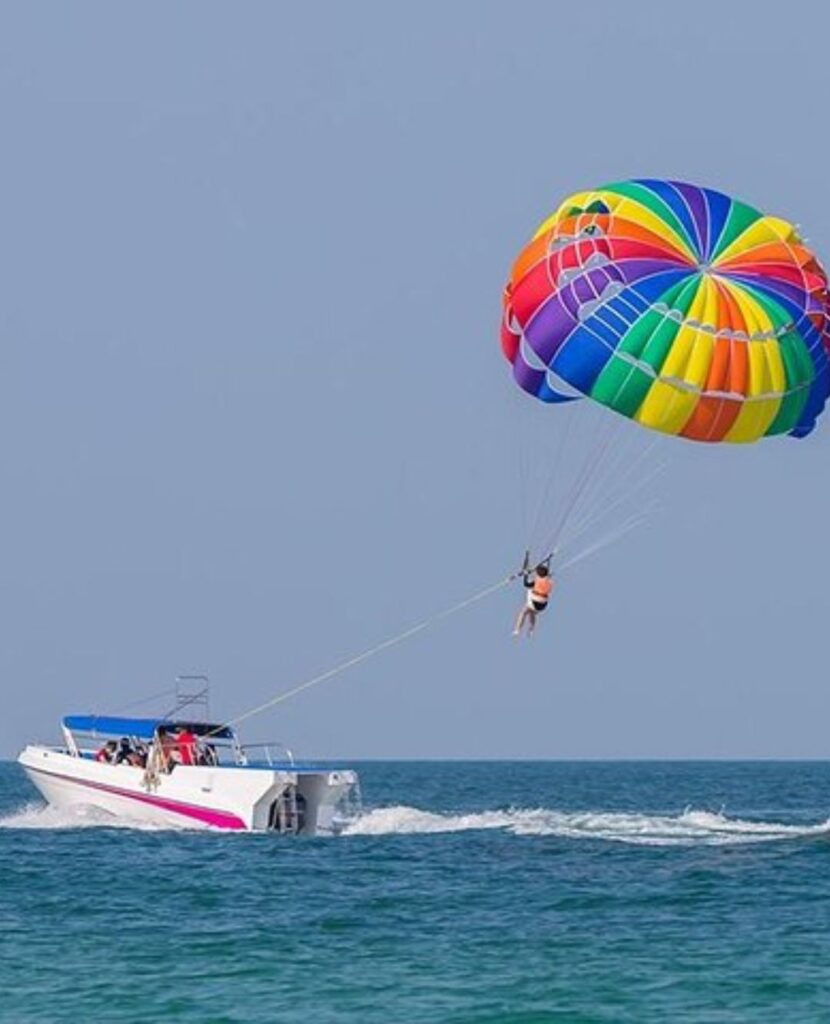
687, 311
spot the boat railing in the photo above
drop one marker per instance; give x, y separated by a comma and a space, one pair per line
273, 752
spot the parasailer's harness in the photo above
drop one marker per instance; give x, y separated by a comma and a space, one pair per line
528, 567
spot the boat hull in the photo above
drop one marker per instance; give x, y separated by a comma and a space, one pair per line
224, 798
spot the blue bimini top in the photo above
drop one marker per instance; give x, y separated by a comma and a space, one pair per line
141, 728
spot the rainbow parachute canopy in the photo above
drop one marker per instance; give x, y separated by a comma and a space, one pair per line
676, 306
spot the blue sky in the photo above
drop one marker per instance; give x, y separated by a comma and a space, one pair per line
253, 413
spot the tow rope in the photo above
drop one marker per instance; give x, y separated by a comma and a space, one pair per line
372, 651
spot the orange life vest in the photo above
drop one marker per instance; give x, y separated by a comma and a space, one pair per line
542, 587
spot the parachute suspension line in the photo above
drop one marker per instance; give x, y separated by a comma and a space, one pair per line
537, 485
613, 503
524, 479
552, 474
610, 538
607, 481
596, 487
627, 483
372, 651
589, 469
585, 485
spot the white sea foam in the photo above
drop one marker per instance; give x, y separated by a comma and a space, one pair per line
692, 827
44, 816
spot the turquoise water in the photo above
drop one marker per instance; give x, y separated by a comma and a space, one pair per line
466, 892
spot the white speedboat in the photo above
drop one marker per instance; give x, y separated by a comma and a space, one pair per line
170, 772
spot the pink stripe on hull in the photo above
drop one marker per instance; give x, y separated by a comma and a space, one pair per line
218, 819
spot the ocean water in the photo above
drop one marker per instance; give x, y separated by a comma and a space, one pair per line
465, 893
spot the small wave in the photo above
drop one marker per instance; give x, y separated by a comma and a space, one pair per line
45, 816
692, 827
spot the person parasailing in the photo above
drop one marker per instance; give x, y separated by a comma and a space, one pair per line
539, 584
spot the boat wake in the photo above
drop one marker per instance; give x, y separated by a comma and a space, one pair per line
44, 816
690, 828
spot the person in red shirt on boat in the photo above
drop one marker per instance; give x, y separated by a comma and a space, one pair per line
186, 742
539, 586
106, 754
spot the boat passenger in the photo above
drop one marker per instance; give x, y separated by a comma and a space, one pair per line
127, 754
124, 751
168, 747
186, 743
107, 753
